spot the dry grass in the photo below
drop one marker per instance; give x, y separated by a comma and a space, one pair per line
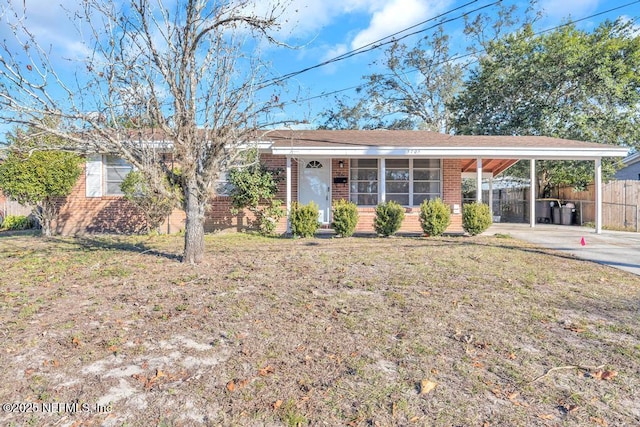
317, 331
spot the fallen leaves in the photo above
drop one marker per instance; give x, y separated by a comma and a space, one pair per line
426, 386
267, 370
237, 384
153, 380
599, 421
604, 375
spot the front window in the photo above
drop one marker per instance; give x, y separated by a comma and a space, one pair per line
426, 180
116, 169
407, 181
364, 182
398, 174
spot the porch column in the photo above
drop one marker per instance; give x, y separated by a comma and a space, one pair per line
383, 181
491, 196
479, 183
288, 193
598, 195
532, 194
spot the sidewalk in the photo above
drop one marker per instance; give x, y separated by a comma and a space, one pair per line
617, 249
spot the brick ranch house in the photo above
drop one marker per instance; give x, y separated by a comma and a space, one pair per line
364, 166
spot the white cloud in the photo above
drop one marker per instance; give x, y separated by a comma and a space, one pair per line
51, 24
557, 10
397, 15
306, 18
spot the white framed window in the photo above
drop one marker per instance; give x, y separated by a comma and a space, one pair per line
406, 181
115, 171
426, 180
398, 181
363, 189
223, 186
104, 174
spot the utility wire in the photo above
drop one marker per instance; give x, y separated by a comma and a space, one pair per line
378, 43
360, 86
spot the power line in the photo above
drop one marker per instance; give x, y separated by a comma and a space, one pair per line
360, 86
379, 43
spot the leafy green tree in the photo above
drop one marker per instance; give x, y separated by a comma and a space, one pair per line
566, 83
418, 81
40, 179
412, 92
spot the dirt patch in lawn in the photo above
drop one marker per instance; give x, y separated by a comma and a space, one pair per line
359, 331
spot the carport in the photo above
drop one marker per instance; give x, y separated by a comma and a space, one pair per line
504, 151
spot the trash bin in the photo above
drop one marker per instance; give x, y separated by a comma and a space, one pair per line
543, 209
555, 211
566, 214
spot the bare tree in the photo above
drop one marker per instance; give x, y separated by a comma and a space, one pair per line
155, 77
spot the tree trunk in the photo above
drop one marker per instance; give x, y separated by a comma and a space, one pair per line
46, 213
194, 228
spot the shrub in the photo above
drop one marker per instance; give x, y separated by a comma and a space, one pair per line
345, 217
156, 198
304, 219
17, 222
389, 216
254, 187
476, 218
435, 217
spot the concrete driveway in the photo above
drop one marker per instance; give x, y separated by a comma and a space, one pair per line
617, 249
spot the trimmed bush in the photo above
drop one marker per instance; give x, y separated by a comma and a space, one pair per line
304, 219
476, 218
389, 216
17, 222
345, 217
435, 217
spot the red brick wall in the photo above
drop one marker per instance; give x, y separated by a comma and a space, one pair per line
339, 191
80, 214
109, 214
220, 217
452, 191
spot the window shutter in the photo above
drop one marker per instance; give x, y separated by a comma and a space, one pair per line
93, 175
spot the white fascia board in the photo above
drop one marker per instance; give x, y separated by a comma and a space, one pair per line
168, 145
457, 152
260, 145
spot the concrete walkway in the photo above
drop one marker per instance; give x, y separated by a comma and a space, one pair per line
617, 249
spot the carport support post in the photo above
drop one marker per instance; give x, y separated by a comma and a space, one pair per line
383, 181
532, 194
288, 194
491, 196
598, 195
479, 184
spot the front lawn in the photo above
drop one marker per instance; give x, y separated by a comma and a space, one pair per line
358, 331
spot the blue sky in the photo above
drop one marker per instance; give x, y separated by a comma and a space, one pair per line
323, 29
348, 24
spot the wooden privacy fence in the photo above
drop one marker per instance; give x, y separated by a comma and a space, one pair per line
620, 204
11, 207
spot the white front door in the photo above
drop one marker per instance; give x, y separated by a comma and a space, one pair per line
314, 185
